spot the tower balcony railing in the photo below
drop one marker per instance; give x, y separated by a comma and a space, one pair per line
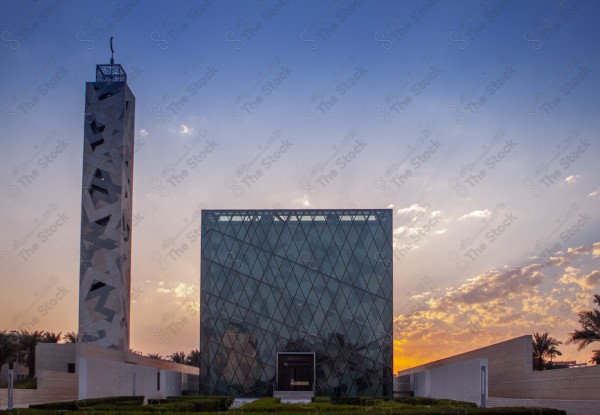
110, 73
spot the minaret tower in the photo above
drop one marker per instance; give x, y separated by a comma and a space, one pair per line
106, 209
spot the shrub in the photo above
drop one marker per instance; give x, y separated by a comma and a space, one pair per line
211, 404
417, 400
322, 399
345, 400
86, 403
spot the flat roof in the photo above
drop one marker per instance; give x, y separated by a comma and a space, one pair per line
296, 215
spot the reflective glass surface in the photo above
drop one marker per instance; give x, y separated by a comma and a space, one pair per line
296, 281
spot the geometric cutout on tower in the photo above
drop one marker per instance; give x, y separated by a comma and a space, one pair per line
97, 285
103, 221
95, 188
97, 128
97, 143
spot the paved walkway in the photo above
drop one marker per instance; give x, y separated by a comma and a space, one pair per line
237, 402
573, 407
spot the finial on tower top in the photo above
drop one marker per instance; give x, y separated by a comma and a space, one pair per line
111, 72
112, 58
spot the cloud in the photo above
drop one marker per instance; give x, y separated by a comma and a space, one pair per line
593, 249
400, 230
304, 201
591, 280
416, 220
496, 305
144, 132
538, 304
572, 179
181, 290
185, 130
558, 261
497, 285
477, 214
570, 276
483, 310
593, 194
414, 208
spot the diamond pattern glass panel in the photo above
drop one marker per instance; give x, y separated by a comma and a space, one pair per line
296, 281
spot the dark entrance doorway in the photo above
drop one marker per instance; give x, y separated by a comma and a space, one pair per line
295, 371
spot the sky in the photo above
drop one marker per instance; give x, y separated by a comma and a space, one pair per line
475, 121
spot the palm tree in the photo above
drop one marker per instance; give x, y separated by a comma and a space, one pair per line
544, 346
71, 337
178, 357
595, 357
154, 355
29, 340
590, 330
193, 359
8, 348
51, 337
553, 351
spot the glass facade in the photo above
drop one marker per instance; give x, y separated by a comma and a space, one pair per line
296, 281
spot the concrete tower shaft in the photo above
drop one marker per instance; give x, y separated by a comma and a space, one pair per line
106, 210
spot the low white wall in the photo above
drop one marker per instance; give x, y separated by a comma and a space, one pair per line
100, 373
462, 381
100, 378
104, 372
111, 378
511, 373
171, 383
421, 382
507, 361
